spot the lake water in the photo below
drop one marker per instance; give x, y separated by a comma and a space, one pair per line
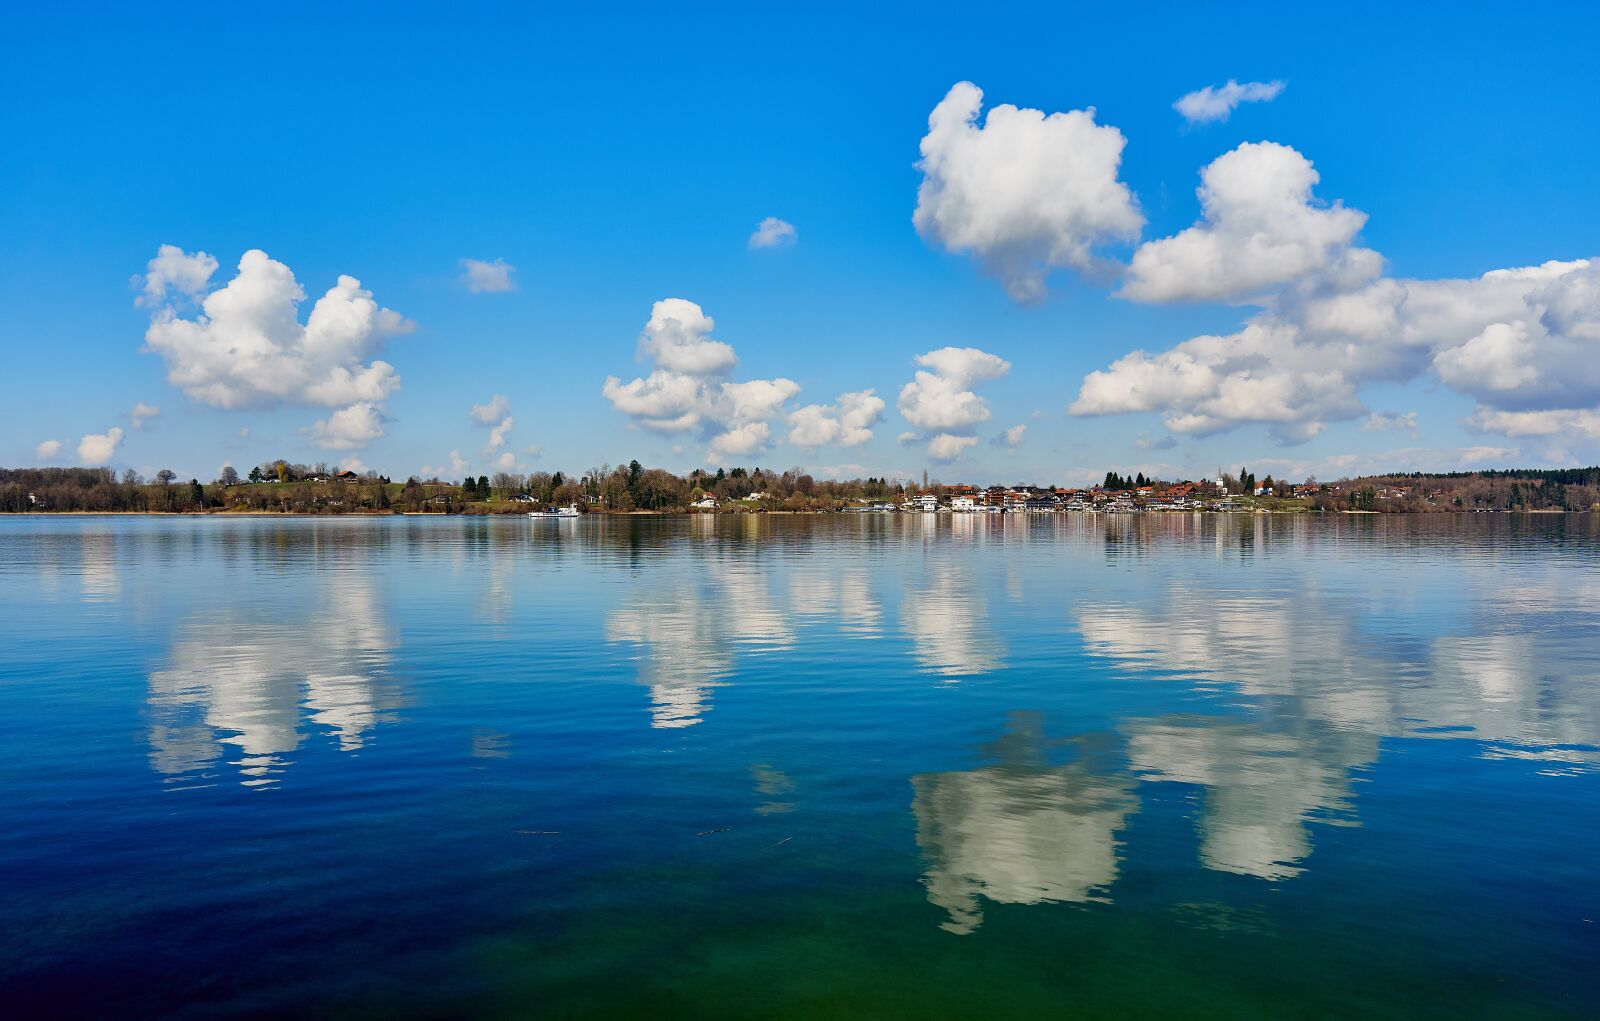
1223, 766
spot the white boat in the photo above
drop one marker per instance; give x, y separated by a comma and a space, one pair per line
568, 512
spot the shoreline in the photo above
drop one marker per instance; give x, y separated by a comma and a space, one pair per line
1299, 512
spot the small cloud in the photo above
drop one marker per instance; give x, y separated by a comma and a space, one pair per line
47, 450
352, 464
141, 413
97, 449
351, 428
946, 447
906, 438
1144, 442
774, 233
1384, 421
488, 277
506, 461
533, 449
1217, 102
497, 435
492, 412
173, 269
1010, 438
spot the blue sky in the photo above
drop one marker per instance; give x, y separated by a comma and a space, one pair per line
620, 157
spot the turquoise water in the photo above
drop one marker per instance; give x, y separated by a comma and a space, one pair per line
804, 767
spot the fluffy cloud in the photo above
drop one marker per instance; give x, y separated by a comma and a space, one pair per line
488, 414
848, 422
1024, 193
1260, 229
774, 233
141, 413
497, 435
1516, 340
47, 450
1010, 438
1217, 102
351, 428
496, 413
678, 338
940, 398
99, 448
353, 464
488, 277
246, 346
947, 447
176, 271
686, 389
943, 399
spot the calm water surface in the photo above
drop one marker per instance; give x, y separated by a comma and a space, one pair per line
805, 767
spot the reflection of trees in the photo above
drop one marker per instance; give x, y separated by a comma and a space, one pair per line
1020, 831
233, 680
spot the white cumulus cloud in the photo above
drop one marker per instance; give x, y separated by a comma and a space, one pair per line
246, 348
773, 233
47, 450
940, 398
99, 448
848, 422
946, 447
1329, 323
351, 428
686, 389
1025, 193
176, 271
1260, 229
483, 277
1217, 102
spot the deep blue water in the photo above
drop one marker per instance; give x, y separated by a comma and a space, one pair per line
1222, 766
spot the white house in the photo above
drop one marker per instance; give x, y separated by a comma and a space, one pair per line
705, 503
963, 504
927, 503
